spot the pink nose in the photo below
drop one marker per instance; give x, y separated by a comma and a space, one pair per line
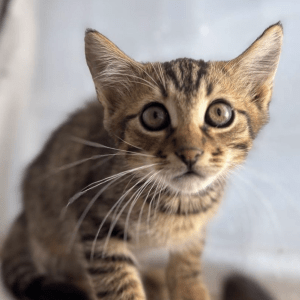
189, 155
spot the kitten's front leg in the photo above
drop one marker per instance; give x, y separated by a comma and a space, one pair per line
184, 274
113, 272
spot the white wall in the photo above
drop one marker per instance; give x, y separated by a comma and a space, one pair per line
17, 65
258, 227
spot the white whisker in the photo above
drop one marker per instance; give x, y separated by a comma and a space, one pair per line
129, 143
85, 212
100, 163
150, 203
145, 201
266, 203
120, 200
163, 186
277, 186
143, 187
97, 145
99, 182
120, 213
76, 163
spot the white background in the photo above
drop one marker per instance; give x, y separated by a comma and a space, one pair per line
258, 228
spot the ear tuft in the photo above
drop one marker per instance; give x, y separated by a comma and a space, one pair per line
88, 30
279, 24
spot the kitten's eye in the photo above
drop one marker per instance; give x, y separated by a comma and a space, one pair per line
219, 114
155, 117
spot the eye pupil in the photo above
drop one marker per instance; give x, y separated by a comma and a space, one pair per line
219, 112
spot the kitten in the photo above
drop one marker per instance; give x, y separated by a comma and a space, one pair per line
145, 170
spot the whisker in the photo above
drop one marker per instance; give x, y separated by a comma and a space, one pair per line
143, 187
129, 143
85, 212
158, 200
92, 186
116, 211
145, 201
100, 163
81, 161
124, 191
120, 200
99, 182
125, 188
277, 186
149, 207
120, 213
98, 145
170, 209
265, 202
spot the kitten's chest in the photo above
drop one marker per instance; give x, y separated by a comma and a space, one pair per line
153, 226
169, 232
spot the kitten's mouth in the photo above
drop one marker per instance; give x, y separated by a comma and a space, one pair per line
189, 182
189, 174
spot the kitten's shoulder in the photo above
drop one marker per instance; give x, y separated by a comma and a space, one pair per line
89, 116
85, 124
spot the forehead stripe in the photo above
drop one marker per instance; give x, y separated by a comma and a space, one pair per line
209, 89
201, 72
180, 72
171, 74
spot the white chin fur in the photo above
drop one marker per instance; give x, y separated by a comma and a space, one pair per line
189, 185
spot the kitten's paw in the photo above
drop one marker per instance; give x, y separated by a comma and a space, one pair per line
42, 289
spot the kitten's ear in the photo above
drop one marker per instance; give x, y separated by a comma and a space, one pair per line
256, 67
112, 70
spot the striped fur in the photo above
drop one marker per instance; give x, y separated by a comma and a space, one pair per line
107, 186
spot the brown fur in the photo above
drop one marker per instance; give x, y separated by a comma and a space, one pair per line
90, 240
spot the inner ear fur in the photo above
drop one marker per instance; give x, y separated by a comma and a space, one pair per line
112, 70
255, 69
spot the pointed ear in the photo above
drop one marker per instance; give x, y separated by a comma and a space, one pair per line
256, 67
112, 70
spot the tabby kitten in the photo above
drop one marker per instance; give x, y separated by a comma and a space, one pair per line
145, 170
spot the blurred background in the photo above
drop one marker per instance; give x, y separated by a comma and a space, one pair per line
44, 77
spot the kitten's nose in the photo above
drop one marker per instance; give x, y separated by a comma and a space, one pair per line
189, 155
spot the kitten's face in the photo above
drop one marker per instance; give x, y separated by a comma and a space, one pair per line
192, 121
195, 136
